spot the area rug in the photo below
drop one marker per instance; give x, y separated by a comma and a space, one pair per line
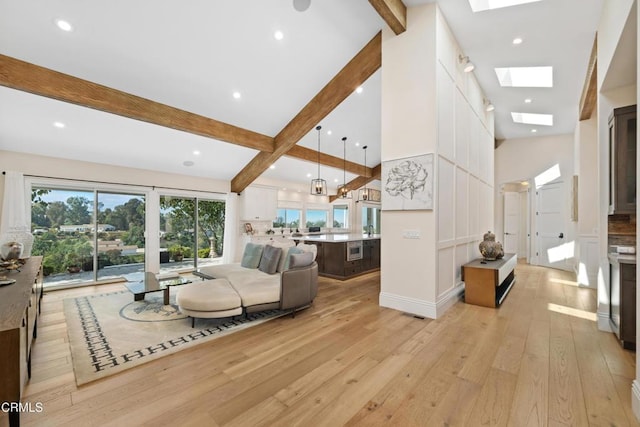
109, 333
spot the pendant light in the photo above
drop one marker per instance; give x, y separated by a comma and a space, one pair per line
363, 194
318, 186
343, 191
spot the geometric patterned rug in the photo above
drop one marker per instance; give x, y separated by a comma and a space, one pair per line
109, 333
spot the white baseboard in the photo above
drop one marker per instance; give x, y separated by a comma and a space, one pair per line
448, 299
635, 398
603, 322
420, 307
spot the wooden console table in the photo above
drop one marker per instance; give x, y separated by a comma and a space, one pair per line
488, 282
19, 309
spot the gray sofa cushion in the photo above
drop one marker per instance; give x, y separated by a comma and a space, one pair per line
252, 255
301, 260
286, 257
270, 258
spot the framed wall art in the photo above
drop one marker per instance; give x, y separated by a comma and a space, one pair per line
407, 183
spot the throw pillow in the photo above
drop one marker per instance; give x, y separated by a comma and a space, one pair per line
285, 258
269, 260
252, 255
301, 260
309, 248
282, 243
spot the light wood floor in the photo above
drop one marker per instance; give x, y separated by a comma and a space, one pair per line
538, 360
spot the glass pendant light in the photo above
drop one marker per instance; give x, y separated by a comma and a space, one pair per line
318, 186
363, 194
343, 190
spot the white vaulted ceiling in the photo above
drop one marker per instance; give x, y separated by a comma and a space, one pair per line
194, 55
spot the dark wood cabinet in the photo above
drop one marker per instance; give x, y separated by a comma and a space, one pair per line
332, 259
622, 161
19, 310
622, 303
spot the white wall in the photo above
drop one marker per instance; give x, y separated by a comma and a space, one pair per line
431, 106
408, 123
587, 227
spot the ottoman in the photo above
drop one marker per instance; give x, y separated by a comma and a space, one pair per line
209, 299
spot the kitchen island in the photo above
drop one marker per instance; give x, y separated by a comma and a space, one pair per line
342, 256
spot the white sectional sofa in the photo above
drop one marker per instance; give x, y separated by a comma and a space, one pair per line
269, 277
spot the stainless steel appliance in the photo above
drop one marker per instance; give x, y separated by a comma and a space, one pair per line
354, 250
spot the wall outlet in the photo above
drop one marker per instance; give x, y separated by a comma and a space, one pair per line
411, 234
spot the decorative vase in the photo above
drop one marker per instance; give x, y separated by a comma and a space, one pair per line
10, 251
21, 235
489, 248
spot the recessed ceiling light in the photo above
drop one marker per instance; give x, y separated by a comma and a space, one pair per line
517, 40
480, 5
359, 89
59, 125
237, 95
272, 167
308, 175
528, 101
328, 132
534, 130
335, 180
533, 119
525, 76
196, 153
357, 144
188, 163
64, 25
278, 35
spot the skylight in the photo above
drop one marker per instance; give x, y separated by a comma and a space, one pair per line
481, 5
525, 76
533, 119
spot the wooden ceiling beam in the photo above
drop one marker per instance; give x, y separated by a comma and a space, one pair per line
27, 77
394, 13
589, 96
360, 181
355, 73
304, 153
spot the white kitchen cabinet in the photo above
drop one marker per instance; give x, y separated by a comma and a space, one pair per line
259, 203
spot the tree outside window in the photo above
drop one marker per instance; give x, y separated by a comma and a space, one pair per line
316, 218
287, 218
341, 216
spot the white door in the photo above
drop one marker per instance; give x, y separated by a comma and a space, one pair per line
552, 248
511, 222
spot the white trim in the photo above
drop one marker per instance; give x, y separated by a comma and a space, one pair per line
635, 398
449, 298
421, 307
408, 305
603, 322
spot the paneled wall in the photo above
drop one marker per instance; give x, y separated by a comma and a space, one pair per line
431, 106
465, 163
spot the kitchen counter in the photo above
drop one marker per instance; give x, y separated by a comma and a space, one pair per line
617, 258
337, 238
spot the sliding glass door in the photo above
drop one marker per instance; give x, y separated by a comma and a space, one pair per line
62, 225
120, 234
191, 232
87, 235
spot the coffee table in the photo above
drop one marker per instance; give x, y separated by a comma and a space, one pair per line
151, 283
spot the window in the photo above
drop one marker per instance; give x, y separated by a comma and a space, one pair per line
70, 223
341, 216
191, 232
316, 218
287, 218
87, 232
371, 219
